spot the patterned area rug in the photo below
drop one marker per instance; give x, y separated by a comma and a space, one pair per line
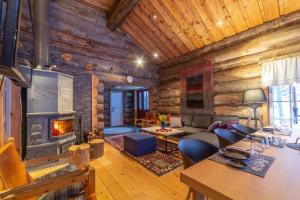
159, 163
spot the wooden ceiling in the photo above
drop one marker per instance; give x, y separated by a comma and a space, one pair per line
172, 28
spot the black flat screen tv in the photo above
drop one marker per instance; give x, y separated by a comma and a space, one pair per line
10, 13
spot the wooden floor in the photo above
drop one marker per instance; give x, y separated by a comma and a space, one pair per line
121, 178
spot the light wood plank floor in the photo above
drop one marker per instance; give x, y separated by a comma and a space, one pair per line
120, 178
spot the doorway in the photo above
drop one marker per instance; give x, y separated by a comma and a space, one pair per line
116, 108
142, 103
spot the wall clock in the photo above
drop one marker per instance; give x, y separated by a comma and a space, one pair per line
129, 79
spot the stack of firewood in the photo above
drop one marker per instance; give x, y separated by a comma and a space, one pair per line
93, 135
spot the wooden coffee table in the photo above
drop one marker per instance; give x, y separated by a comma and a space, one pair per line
163, 135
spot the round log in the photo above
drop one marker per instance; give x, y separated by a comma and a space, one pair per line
96, 148
81, 154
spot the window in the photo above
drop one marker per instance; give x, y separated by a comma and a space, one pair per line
284, 104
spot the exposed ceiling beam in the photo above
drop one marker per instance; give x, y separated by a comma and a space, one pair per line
120, 13
245, 35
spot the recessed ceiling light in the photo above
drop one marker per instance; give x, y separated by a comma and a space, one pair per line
155, 55
139, 61
154, 17
220, 23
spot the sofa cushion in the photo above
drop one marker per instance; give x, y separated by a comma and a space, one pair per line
204, 136
191, 130
225, 119
201, 121
187, 119
175, 122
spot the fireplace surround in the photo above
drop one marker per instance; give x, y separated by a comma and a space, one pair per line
40, 138
51, 123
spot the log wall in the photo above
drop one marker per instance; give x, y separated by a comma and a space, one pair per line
236, 69
82, 46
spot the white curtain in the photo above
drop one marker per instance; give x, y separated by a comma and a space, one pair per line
281, 72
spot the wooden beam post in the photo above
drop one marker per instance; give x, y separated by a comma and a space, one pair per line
120, 13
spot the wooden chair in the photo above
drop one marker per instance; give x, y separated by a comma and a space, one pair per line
149, 120
139, 122
16, 183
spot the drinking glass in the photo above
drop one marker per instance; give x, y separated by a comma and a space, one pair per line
258, 146
276, 140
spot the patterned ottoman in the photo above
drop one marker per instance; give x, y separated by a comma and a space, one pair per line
139, 144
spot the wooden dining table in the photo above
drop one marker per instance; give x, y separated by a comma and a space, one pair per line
221, 182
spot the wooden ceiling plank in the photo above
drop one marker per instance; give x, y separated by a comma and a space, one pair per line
270, 9
269, 26
215, 10
137, 35
168, 5
288, 6
228, 17
273, 9
146, 31
236, 15
163, 26
171, 22
251, 11
261, 8
148, 22
188, 14
120, 13
281, 7
207, 20
185, 21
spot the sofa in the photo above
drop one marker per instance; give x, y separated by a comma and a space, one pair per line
195, 126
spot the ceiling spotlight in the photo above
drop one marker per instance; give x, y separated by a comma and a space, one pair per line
155, 55
154, 17
220, 23
139, 61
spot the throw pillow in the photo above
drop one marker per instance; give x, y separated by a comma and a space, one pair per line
175, 122
213, 126
224, 126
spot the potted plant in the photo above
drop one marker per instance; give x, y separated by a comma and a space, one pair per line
162, 119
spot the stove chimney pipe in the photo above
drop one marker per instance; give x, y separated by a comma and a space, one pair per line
41, 33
